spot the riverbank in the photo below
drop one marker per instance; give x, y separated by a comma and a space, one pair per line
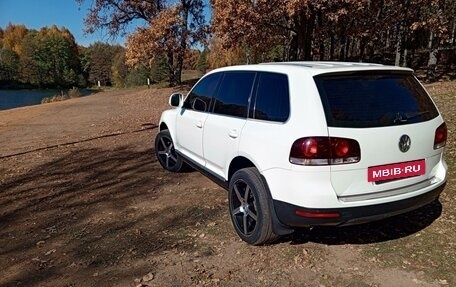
10, 99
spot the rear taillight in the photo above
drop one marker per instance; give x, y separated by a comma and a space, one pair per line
325, 151
440, 137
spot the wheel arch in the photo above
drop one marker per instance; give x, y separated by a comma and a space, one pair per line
163, 126
168, 122
238, 163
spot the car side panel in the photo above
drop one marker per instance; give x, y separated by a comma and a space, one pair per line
189, 134
221, 142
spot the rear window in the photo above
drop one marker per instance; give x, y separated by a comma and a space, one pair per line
374, 99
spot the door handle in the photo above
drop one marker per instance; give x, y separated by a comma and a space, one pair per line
199, 124
233, 134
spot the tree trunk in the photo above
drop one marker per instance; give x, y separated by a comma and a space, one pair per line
402, 33
362, 47
371, 52
301, 24
432, 62
171, 70
453, 34
342, 48
183, 41
322, 51
347, 49
321, 48
310, 27
404, 59
397, 61
293, 51
387, 40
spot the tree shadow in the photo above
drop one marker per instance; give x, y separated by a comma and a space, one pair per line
99, 207
374, 232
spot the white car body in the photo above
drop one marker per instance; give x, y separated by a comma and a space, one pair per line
211, 142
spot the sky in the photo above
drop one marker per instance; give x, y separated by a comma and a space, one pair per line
35, 14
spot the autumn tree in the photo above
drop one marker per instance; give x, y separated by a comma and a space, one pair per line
13, 36
246, 26
219, 56
387, 31
292, 24
171, 27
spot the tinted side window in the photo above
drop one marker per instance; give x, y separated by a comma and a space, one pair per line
272, 98
200, 97
233, 96
374, 99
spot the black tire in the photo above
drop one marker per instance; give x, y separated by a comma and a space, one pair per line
249, 207
166, 155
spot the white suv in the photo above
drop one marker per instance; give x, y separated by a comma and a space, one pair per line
300, 144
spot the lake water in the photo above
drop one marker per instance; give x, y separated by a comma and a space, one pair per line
10, 99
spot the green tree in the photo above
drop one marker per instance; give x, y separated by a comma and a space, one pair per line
1, 38
119, 70
99, 60
49, 58
55, 57
159, 70
9, 65
45, 58
202, 64
137, 76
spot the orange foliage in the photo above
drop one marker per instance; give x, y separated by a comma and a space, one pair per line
12, 37
160, 37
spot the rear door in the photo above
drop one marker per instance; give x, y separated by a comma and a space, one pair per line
394, 121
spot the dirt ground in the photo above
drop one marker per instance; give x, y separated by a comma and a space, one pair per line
83, 202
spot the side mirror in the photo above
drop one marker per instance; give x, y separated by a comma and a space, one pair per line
175, 99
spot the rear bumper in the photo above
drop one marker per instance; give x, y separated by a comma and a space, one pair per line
286, 212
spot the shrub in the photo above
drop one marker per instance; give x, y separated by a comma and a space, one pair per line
72, 93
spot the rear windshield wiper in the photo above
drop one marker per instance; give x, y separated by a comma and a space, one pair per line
404, 117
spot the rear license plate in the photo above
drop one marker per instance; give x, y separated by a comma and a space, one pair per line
396, 170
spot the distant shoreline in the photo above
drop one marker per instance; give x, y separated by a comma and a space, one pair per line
16, 98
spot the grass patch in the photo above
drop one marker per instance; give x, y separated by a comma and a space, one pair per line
181, 235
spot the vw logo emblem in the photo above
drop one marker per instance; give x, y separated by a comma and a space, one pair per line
404, 143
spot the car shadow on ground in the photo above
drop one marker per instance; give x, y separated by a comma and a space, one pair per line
379, 231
